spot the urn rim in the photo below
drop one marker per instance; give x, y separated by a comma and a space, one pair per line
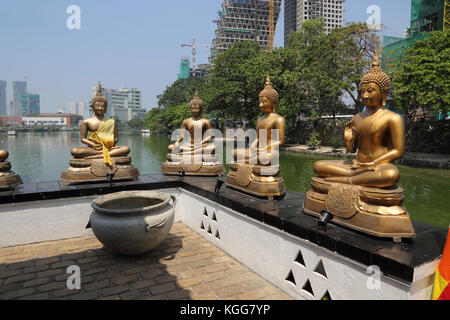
102, 200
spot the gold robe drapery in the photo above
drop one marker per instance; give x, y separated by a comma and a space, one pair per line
105, 136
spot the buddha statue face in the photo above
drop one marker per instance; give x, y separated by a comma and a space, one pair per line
265, 105
196, 105
99, 108
372, 96
196, 109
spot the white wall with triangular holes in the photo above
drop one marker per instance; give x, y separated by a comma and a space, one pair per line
300, 268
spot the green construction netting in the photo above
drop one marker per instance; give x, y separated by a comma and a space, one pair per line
393, 51
426, 16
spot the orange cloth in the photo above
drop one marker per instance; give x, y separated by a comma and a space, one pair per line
105, 136
441, 290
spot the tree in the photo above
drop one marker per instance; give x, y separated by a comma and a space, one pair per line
422, 79
179, 92
136, 123
166, 120
331, 64
231, 92
354, 47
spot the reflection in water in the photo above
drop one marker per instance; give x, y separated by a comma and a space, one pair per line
43, 156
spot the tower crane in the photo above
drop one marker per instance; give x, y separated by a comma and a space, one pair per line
446, 16
271, 24
271, 21
194, 51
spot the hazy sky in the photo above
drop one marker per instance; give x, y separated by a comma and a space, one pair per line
133, 43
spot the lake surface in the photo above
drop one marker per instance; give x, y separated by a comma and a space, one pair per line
39, 156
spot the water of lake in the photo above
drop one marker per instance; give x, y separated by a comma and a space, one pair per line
43, 156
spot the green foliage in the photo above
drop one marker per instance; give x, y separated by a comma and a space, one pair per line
232, 89
179, 92
311, 75
428, 136
422, 79
166, 120
313, 142
336, 142
136, 123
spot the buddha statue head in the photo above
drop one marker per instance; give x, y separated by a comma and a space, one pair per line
268, 98
99, 102
196, 105
375, 85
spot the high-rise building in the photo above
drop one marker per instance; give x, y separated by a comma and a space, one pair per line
74, 108
124, 103
12, 110
82, 108
185, 69
241, 20
29, 104
19, 88
3, 104
297, 11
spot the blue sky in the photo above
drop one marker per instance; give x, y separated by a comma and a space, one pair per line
133, 43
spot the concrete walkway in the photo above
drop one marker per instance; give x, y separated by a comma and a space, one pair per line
184, 266
415, 159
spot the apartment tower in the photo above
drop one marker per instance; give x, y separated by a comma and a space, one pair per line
297, 11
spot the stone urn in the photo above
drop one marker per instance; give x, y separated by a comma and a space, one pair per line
132, 222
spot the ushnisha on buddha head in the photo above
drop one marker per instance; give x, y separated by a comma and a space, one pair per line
375, 85
268, 98
99, 102
196, 105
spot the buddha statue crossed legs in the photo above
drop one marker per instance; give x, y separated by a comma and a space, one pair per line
102, 157
194, 155
256, 170
8, 179
361, 193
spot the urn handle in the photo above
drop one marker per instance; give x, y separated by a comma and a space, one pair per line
157, 225
174, 199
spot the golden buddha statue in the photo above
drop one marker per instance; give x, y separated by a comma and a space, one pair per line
8, 179
194, 156
362, 193
102, 159
256, 170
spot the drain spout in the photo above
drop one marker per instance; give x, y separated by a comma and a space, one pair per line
325, 218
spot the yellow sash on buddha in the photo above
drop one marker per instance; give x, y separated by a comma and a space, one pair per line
105, 136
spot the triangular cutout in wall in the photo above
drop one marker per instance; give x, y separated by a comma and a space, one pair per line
326, 296
291, 278
307, 287
299, 258
320, 269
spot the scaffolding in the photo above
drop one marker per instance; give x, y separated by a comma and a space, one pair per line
426, 16
244, 20
446, 22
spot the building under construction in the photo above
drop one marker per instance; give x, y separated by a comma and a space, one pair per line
241, 20
426, 16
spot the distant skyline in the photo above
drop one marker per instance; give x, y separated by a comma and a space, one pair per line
134, 44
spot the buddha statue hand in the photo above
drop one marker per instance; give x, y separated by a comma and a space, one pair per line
363, 166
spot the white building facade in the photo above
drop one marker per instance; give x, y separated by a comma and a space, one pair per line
297, 11
124, 103
45, 121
